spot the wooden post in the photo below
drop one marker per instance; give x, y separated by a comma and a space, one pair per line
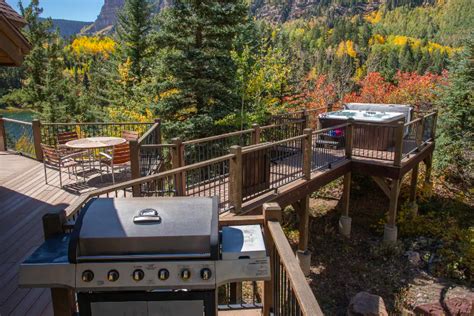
305, 117
427, 185
271, 212
256, 134
349, 137
433, 127
303, 255
307, 153
397, 160
158, 131
345, 221
303, 226
346, 194
177, 160
158, 140
414, 180
390, 230
392, 212
64, 302
3, 135
235, 295
235, 179
419, 134
329, 107
36, 125
135, 164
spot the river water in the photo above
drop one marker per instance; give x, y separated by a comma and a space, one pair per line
26, 116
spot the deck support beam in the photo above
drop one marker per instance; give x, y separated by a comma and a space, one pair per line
303, 254
413, 184
382, 185
345, 221
428, 185
390, 230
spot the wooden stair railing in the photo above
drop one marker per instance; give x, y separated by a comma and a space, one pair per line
288, 292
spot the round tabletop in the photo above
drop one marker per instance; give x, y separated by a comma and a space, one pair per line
95, 142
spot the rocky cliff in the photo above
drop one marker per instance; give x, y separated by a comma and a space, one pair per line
271, 10
106, 19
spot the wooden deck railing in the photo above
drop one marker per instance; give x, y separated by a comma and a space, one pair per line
244, 173
49, 131
19, 136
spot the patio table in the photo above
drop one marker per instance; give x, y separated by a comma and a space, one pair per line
94, 143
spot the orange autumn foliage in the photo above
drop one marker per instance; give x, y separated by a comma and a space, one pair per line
410, 88
317, 92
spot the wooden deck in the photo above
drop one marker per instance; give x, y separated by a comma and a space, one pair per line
25, 198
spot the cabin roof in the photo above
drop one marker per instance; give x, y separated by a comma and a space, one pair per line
13, 44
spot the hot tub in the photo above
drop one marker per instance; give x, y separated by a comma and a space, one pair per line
374, 136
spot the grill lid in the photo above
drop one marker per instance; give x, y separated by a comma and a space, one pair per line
146, 228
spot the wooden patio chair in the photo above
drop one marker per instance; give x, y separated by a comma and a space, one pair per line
57, 159
130, 135
120, 157
64, 137
127, 135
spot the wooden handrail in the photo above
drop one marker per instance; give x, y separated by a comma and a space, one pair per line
97, 123
253, 148
307, 302
154, 146
210, 138
241, 220
148, 132
327, 129
17, 121
414, 121
279, 125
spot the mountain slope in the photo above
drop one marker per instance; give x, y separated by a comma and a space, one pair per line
69, 28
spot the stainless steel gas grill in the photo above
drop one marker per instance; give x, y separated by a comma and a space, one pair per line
148, 256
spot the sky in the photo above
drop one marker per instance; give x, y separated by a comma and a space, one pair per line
78, 10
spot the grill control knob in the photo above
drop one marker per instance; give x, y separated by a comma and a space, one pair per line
163, 274
138, 275
87, 276
113, 275
206, 274
185, 274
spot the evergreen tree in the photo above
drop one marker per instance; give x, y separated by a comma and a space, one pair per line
44, 88
456, 119
195, 38
406, 58
133, 29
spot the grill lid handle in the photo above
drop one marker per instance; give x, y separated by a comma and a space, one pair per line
147, 215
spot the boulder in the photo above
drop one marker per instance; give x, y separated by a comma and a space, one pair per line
413, 257
454, 307
366, 304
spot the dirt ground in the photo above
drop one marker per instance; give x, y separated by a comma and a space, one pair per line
342, 267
